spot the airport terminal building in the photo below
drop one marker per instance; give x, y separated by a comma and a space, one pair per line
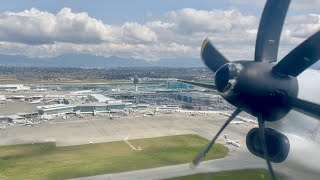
97, 107
55, 109
14, 87
58, 109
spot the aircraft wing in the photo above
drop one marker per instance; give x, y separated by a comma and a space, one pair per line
204, 85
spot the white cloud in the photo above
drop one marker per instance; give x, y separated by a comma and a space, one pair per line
305, 4
178, 33
191, 20
159, 25
80, 28
137, 33
37, 27
302, 26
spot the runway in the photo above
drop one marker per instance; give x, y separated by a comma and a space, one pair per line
236, 160
75, 131
233, 161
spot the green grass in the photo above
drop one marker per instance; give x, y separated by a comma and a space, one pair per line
247, 174
46, 161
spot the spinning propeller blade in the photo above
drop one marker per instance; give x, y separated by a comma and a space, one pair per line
302, 57
206, 149
205, 85
305, 107
211, 56
269, 31
264, 145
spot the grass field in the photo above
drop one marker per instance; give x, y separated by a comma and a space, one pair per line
46, 161
248, 174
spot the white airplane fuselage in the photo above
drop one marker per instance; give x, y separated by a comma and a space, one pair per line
237, 122
301, 130
231, 142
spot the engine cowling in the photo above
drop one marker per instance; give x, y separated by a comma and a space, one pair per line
277, 144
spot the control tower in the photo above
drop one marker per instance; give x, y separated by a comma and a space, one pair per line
135, 82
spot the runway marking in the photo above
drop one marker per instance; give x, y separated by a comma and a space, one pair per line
130, 145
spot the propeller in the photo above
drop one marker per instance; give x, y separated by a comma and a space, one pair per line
260, 88
305, 107
269, 32
211, 56
206, 149
264, 145
205, 85
302, 57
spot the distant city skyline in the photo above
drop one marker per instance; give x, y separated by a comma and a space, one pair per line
144, 29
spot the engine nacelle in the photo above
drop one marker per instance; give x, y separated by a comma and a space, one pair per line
277, 144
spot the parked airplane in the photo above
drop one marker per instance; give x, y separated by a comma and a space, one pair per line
29, 124
193, 114
232, 142
36, 101
237, 122
3, 127
150, 113
80, 115
46, 117
238, 117
113, 116
41, 89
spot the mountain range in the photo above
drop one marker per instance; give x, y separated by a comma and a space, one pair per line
91, 61
86, 60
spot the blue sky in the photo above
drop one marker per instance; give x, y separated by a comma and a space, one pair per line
113, 11
117, 11
144, 28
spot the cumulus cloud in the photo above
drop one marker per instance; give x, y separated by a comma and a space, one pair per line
137, 33
305, 4
303, 26
178, 33
192, 20
159, 25
37, 27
